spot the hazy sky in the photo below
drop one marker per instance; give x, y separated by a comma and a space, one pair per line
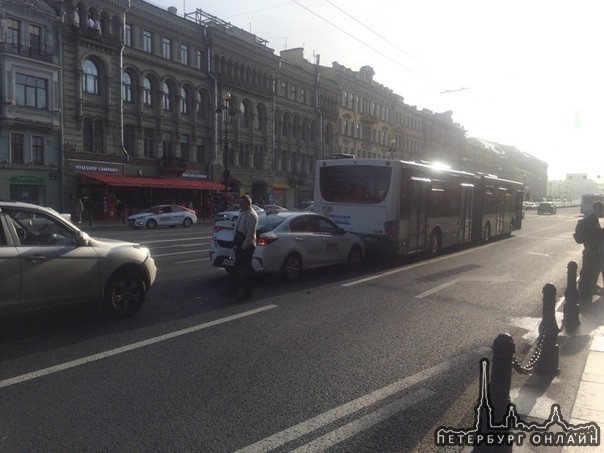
527, 73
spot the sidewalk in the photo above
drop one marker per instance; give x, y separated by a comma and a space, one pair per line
579, 386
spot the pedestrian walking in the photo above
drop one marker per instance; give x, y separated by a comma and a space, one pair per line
244, 244
79, 209
593, 258
119, 207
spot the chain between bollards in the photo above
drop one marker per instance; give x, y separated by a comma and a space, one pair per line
545, 358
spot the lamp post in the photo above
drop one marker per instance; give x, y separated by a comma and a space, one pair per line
225, 153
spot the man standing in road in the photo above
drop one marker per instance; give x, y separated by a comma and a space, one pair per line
592, 252
244, 244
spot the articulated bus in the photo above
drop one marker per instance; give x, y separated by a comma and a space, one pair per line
407, 207
587, 202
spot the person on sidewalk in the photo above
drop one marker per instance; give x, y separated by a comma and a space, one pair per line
593, 258
244, 244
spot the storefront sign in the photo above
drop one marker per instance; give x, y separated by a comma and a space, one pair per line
95, 168
24, 179
195, 175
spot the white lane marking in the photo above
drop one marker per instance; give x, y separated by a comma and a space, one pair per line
128, 348
361, 424
437, 289
537, 254
179, 246
175, 240
442, 258
179, 253
468, 278
337, 413
191, 261
412, 266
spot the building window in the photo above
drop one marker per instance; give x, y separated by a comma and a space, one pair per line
166, 97
201, 152
283, 90
167, 48
147, 41
167, 144
293, 92
184, 147
37, 150
199, 59
184, 102
184, 54
90, 82
149, 143
35, 38
302, 95
147, 92
16, 149
31, 91
12, 35
126, 87
129, 140
128, 35
93, 135
202, 106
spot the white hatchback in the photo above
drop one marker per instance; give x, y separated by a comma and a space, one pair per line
163, 215
291, 241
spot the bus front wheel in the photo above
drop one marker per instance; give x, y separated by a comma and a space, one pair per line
435, 242
487, 233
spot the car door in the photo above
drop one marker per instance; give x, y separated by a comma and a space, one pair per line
166, 216
54, 269
302, 240
10, 269
330, 241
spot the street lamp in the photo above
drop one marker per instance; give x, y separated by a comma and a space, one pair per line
225, 153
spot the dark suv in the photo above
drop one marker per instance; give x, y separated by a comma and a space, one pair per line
546, 207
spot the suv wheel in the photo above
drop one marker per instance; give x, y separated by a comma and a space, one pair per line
124, 294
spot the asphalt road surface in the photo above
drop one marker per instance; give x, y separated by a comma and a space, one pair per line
365, 361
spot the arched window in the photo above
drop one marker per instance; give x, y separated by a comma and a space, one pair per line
184, 102
165, 103
126, 87
147, 92
202, 106
90, 82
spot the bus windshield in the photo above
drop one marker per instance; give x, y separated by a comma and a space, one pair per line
359, 184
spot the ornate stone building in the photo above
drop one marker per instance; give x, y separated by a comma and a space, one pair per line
30, 102
151, 106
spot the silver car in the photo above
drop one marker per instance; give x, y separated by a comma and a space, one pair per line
163, 215
46, 261
291, 241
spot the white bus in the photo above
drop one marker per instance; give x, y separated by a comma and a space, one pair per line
406, 207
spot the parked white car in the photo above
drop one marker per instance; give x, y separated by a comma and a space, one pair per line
47, 261
163, 215
291, 241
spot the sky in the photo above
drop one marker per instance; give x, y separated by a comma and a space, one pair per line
529, 74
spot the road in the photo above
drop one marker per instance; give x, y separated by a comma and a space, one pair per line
365, 361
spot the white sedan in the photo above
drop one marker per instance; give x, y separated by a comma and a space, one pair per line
163, 215
291, 241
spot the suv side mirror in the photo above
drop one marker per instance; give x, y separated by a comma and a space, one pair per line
82, 238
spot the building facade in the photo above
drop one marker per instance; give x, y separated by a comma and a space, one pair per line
108, 99
30, 102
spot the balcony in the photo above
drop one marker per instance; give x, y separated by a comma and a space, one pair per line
369, 119
43, 53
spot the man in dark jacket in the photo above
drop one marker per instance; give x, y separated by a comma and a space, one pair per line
592, 252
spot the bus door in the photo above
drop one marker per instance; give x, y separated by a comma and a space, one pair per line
500, 217
419, 193
519, 209
465, 212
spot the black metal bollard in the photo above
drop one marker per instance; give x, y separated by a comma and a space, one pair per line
571, 299
548, 360
501, 375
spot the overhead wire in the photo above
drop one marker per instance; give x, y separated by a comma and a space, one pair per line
362, 42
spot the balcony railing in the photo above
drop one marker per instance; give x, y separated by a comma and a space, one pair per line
44, 52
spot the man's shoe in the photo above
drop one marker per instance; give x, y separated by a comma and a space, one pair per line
244, 297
